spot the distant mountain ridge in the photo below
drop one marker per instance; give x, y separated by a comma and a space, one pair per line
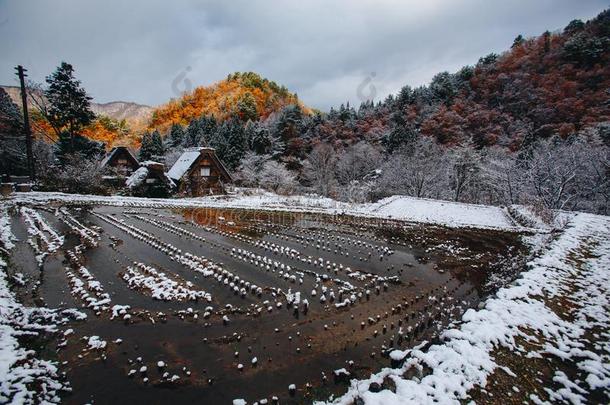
133, 113
124, 110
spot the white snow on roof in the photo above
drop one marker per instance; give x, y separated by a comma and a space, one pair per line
149, 162
183, 164
141, 174
108, 156
137, 177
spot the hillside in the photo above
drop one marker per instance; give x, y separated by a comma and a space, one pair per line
247, 95
555, 83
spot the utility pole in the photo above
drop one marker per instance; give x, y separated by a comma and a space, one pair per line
26, 122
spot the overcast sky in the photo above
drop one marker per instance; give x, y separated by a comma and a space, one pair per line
327, 51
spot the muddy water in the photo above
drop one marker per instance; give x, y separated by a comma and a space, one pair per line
401, 298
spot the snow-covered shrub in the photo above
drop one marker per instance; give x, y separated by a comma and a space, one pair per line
75, 175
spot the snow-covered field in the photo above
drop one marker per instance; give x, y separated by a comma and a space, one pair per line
557, 311
412, 209
23, 377
440, 212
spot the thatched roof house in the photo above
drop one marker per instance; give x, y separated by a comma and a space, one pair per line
199, 172
150, 180
121, 159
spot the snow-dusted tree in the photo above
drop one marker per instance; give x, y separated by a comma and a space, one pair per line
598, 173
418, 170
70, 109
172, 155
464, 173
176, 136
501, 176
145, 147
246, 108
400, 133
251, 168
275, 177
355, 171
230, 142
319, 169
156, 145
258, 137
77, 174
554, 173
12, 154
357, 161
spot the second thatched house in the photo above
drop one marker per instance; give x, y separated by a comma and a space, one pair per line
121, 160
150, 180
199, 172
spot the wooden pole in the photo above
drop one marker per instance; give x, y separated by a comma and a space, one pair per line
26, 122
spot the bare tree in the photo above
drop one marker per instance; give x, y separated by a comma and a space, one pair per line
172, 155
356, 167
319, 169
501, 176
250, 169
553, 173
418, 170
464, 173
275, 177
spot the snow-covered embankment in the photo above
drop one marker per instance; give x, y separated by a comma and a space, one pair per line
524, 319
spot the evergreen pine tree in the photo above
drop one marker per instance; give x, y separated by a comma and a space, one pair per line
258, 138
12, 155
400, 134
192, 135
156, 145
246, 108
176, 136
519, 40
289, 123
207, 127
85, 148
230, 142
145, 148
200, 131
69, 109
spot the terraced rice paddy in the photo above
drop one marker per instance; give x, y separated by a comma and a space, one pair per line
211, 305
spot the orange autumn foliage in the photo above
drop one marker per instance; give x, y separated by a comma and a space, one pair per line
221, 100
102, 129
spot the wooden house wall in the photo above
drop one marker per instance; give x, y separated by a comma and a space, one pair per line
199, 185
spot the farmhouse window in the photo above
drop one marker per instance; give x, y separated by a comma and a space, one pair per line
205, 171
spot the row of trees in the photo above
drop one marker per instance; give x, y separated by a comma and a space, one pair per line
572, 174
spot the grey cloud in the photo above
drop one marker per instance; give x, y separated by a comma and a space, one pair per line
132, 50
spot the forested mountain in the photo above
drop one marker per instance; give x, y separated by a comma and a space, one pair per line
556, 83
245, 95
